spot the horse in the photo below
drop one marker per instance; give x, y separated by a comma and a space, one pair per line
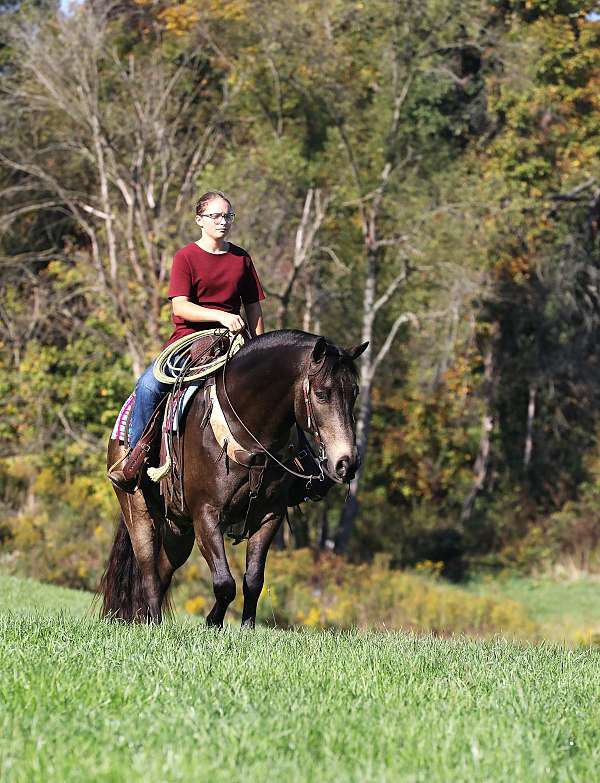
274, 382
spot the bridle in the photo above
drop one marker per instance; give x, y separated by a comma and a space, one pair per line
311, 420
313, 429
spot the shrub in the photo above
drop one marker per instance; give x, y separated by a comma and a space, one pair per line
325, 591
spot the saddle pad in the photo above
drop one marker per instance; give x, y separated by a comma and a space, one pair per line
220, 428
118, 432
218, 422
184, 401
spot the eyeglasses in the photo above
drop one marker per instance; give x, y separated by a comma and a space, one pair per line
218, 216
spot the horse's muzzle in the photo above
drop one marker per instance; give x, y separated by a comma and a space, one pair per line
346, 468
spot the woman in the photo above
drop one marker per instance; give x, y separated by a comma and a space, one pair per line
210, 279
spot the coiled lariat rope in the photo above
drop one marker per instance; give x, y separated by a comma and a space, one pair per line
170, 361
177, 365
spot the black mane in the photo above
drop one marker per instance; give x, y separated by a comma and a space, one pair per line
290, 338
281, 338
335, 359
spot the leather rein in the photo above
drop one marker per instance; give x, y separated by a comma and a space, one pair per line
313, 428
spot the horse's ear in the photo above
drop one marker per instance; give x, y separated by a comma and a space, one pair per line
319, 350
357, 350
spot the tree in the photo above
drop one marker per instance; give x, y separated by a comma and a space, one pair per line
116, 135
374, 101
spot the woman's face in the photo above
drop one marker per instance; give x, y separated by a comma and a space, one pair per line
216, 218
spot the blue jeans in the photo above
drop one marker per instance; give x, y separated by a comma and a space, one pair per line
148, 393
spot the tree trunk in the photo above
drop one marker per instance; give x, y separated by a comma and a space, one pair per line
363, 423
300, 531
324, 541
530, 419
480, 468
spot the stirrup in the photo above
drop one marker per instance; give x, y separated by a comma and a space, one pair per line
118, 480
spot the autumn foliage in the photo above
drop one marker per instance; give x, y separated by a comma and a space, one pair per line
425, 176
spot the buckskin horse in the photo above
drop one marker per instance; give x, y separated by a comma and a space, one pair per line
275, 382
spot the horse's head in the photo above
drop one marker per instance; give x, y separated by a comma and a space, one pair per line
330, 391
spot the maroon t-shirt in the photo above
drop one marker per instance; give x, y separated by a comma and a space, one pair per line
222, 281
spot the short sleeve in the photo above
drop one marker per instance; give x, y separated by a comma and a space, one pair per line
250, 290
180, 283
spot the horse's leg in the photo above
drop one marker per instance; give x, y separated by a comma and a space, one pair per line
175, 550
142, 532
256, 556
212, 546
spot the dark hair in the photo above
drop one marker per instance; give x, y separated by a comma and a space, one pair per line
212, 194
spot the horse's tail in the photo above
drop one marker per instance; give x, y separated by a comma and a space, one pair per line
121, 583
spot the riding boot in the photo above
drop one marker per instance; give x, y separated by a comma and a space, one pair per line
126, 476
117, 476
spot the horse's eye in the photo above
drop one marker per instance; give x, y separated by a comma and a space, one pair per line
323, 395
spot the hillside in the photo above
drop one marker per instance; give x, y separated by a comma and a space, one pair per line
84, 700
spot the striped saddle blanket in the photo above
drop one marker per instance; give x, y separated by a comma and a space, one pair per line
121, 424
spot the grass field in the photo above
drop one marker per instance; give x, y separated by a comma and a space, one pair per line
566, 609
82, 700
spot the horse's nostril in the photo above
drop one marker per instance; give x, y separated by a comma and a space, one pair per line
342, 467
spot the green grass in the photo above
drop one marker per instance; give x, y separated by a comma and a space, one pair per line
566, 609
82, 700
26, 595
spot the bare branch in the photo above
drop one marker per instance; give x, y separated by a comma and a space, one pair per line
572, 195
334, 257
97, 212
391, 289
8, 217
79, 437
304, 244
400, 320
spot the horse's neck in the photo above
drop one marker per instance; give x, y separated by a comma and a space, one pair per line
263, 387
